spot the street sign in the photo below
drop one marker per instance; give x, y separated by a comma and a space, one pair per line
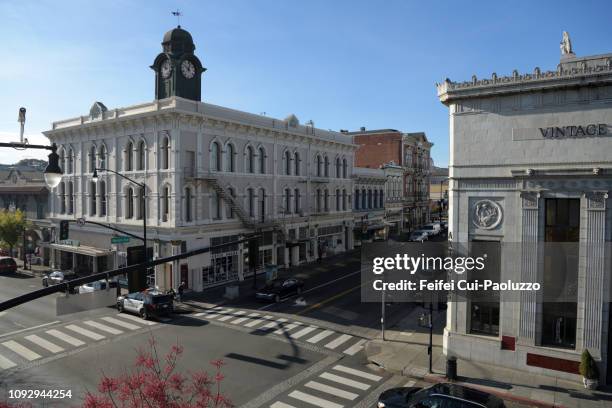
120, 240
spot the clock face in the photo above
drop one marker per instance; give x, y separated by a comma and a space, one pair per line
188, 69
166, 69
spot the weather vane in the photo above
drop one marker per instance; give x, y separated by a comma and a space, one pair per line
178, 15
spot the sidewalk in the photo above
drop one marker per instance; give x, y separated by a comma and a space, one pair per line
33, 270
404, 352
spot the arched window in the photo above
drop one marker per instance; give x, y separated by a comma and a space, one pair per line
338, 168
165, 153
375, 203
262, 160
343, 200
165, 203
102, 188
92, 198
92, 159
215, 210
364, 199
129, 207
287, 201
188, 209
369, 198
129, 156
141, 203
344, 168
70, 161
62, 160
141, 155
318, 201
250, 160
102, 156
357, 202
319, 166
338, 199
230, 158
251, 202
70, 197
215, 157
296, 163
326, 200
262, 204
296, 198
381, 200
326, 166
287, 163
229, 210
62, 197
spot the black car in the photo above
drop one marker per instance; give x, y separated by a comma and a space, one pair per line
438, 396
277, 289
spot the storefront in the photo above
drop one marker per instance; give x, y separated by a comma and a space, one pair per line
82, 259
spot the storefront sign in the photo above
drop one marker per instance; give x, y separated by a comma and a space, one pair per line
557, 132
70, 242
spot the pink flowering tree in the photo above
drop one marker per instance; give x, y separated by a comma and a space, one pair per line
153, 383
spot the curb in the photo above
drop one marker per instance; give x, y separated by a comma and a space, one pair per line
435, 379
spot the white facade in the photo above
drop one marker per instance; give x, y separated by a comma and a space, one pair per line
285, 178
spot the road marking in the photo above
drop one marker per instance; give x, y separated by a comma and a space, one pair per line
118, 322
286, 328
358, 373
39, 341
340, 340
410, 383
320, 336
219, 313
21, 350
345, 381
103, 327
311, 399
258, 321
65, 337
232, 315
331, 390
244, 319
272, 324
29, 328
303, 332
321, 303
5, 363
85, 332
136, 319
355, 348
279, 404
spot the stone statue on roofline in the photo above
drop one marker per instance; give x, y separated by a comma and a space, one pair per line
566, 46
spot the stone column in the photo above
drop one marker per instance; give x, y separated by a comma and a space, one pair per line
529, 265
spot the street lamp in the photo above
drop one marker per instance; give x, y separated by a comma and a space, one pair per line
94, 178
53, 172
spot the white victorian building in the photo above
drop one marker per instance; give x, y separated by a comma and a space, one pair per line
212, 174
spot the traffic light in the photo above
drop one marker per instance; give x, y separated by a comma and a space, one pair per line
253, 253
63, 234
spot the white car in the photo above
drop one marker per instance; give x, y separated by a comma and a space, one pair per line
418, 236
146, 304
431, 229
95, 286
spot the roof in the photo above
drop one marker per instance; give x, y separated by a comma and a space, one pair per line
17, 189
372, 132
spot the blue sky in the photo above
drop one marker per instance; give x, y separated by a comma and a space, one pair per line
342, 63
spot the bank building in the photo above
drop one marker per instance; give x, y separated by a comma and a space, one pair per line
211, 173
531, 163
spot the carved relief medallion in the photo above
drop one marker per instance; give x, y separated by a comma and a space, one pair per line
486, 214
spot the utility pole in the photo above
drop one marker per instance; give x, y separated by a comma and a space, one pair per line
430, 348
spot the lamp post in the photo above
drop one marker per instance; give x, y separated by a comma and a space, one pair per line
143, 207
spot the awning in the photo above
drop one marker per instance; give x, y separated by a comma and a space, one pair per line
81, 249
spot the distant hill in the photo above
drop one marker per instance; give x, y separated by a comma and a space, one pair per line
26, 164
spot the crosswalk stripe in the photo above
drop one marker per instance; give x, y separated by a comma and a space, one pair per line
5, 363
244, 319
410, 383
218, 313
136, 319
331, 390
85, 332
358, 373
39, 341
209, 311
311, 399
303, 332
354, 349
103, 327
258, 321
335, 343
273, 324
320, 336
279, 404
199, 314
231, 316
345, 381
119, 323
286, 328
21, 350
65, 337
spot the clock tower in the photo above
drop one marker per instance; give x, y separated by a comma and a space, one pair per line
178, 72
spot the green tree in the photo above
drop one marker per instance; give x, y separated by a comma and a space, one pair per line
12, 224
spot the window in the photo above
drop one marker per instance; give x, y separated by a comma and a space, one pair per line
338, 200
296, 198
230, 209
318, 201
287, 201
215, 157
230, 159
344, 168
165, 153
62, 161
250, 160
92, 159
129, 208
326, 166
102, 188
92, 198
102, 157
296, 163
369, 199
262, 204
251, 202
129, 156
165, 203
215, 206
287, 163
375, 203
62, 196
141, 155
70, 161
262, 160
70, 197
484, 313
141, 203
343, 200
338, 168
326, 200
381, 201
364, 199
319, 166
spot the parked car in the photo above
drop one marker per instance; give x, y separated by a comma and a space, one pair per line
7, 265
418, 236
276, 289
443, 395
96, 286
432, 229
147, 304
